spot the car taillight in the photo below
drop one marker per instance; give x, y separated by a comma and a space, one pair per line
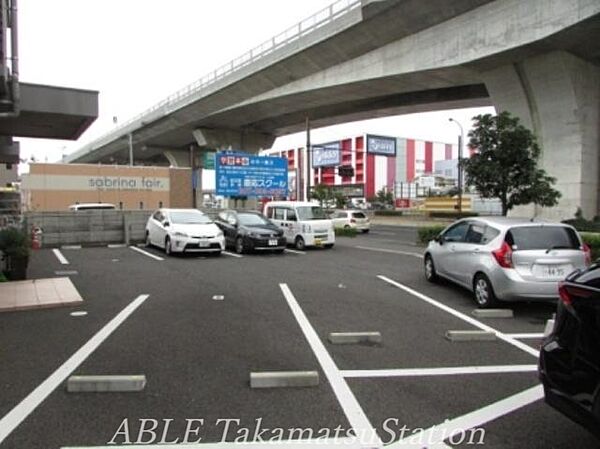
503, 255
568, 292
587, 253
564, 294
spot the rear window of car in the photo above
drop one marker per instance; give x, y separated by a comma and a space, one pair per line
542, 237
358, 215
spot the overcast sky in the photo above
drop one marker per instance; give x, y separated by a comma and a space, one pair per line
137, 52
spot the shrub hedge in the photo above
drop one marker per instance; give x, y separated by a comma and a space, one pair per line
583, 225
593, 241
345, 232
450, 214
427, 233
388, 213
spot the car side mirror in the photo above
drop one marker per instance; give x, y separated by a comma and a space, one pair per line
440, 239
166, 224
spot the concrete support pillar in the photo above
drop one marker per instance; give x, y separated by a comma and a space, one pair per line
557, 95
236, 140
178, 158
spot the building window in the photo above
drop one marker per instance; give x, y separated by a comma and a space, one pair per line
141, 204
121, 205
160, 204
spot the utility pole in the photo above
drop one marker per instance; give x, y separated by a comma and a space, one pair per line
460, 177
308, 160
131, 149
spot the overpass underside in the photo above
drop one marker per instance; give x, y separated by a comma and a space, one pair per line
537, 59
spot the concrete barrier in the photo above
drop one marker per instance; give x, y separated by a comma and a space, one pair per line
470, 336
103, 384
352, 338
90, 227
493, 313
284, 379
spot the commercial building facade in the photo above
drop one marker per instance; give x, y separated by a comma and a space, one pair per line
54, 187
379, 162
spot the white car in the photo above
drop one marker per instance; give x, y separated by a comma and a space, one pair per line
184, 230
356, 219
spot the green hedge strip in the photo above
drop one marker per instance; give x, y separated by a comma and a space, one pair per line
345, 232
427, 233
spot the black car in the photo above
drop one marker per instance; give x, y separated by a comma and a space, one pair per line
570, 356
248, 231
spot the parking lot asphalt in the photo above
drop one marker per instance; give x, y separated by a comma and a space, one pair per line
197, 352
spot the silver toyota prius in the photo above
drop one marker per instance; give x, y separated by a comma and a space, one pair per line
506, 259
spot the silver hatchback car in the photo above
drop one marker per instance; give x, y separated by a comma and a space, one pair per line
506, 259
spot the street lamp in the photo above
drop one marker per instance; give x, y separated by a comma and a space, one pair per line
461, 138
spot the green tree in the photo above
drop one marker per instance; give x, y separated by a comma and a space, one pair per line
505, 164
320, 192
385, 197
340, 200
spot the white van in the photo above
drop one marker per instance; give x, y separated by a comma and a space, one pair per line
303, 223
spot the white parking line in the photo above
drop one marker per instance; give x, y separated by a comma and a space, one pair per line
145, 253
393, 251
13, 418
62, 259
511, 340
533, 336
227, 253
437, 434
294, 251
352, 409
416, 372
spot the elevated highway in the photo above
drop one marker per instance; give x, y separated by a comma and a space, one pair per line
363, 59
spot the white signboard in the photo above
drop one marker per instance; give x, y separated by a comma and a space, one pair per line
95, 183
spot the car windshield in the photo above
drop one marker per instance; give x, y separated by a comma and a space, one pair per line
189, 217
311, 213
252, 219
542, 237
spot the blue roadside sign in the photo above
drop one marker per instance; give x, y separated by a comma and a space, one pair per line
243, 174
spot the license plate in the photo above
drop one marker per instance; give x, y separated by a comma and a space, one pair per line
203, 244
553, 271
272, 242
318, 242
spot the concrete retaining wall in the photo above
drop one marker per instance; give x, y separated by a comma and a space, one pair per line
90, 228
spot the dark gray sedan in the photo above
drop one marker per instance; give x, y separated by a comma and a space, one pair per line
248, 231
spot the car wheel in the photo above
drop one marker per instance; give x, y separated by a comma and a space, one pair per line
329, 246
148, 243
168, 250
483, 292
365, 231
430, 273
299, 243
239, 245
347, 227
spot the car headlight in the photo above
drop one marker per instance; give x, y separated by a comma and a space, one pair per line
254, 235
180, 234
